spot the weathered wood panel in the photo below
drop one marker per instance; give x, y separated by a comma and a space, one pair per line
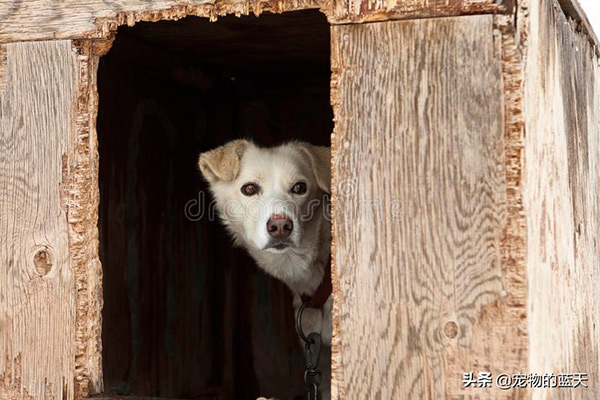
37, 284
42, 20
573, 10
39, 19
380, 10
562, 93
422, 287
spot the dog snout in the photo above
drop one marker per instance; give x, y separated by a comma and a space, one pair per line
280, 226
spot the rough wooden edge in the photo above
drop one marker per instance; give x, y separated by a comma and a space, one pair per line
108, 25
96, 21
81, 198
404, 12
514, 246
96, 289
575, 13
11, 381
337, 372
99, 22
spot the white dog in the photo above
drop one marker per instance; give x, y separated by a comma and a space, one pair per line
272, 202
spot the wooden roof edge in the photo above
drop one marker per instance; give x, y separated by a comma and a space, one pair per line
574, 11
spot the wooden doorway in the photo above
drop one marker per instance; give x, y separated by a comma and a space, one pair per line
185, 315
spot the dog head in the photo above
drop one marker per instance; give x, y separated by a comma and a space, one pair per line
270, 199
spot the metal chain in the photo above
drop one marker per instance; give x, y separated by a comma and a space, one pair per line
312, 352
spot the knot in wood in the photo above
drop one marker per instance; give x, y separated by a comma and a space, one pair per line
451, 329
42, 260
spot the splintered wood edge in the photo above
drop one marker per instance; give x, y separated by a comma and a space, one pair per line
337, 362
407, 10
513, 243
81, 198
104, 35
11, 380
336, 14
106, 26
93, 19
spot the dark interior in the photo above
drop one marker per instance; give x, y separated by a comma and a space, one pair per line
186, 315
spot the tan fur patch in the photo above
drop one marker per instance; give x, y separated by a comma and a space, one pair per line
320, 161
222, 163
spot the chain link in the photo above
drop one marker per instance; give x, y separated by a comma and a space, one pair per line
312, 352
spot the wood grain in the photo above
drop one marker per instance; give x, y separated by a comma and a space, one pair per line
421, 211
573, 10
81, 196
2, 68
41, 20
37, 297
348, 11
562, 96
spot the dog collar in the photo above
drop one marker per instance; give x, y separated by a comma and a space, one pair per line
318, 299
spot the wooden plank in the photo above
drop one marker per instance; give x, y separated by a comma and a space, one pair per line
562, 97
347, 11
573, 10
37, 297
424, 285
41, 20
75, 19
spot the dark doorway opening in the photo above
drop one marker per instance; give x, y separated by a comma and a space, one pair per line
185, 315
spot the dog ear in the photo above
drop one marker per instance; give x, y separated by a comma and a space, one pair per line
320, 161
222, 163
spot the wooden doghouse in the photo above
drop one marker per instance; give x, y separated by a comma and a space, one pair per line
466, 164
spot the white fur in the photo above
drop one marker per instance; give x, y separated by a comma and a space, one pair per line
301, 266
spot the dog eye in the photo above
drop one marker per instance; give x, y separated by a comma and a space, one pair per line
250, 189
299, 188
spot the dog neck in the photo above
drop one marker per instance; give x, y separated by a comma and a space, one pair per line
300, 268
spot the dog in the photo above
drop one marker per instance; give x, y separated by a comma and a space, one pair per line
273, 203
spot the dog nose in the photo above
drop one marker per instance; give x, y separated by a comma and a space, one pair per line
280, 226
